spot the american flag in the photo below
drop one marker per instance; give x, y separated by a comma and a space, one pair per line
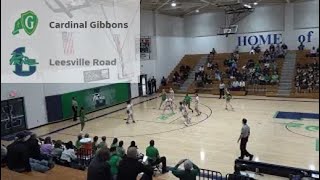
67, 40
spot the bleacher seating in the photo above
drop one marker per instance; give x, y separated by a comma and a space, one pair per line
187, 60
302, 59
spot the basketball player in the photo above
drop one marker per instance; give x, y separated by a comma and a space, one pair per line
163, 97
187, 100
82, 119
168, 104
171, 95
196, 105
184, 112
228, 98
129, 112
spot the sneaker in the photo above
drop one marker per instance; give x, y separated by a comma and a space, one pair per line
251, 157
133, 121
240, 157
127, 122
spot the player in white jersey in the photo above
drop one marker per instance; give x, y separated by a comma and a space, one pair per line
129, 112
185, 114
196, 105
171, 95
168, 104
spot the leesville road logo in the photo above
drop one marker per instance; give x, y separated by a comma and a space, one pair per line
28, 22
19, 60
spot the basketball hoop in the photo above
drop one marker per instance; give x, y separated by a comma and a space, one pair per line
227, 30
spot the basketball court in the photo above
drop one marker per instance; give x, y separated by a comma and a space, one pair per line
211, 141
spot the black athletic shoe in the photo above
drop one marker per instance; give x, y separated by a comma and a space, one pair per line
250, 157
133, 121
127, 122
240, 157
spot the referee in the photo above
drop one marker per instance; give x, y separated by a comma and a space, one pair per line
244, 136
221, 89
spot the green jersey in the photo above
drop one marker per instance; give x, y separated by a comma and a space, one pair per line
152, 153
82, 116
163, 96
228, 97
114, 164
187, 99
186, 175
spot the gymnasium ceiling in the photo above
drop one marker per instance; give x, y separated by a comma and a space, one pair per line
189, 7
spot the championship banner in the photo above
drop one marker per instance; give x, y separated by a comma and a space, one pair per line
145, 48
69, 41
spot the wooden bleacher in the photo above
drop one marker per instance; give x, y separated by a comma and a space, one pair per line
302, 60
244, 57
190, 60
56, 173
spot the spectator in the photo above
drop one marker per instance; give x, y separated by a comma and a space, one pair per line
130, 167
114, 162
69, 156
274, 78
272, 48
284, 47
190, 172
213, 52
199, 81
149, 86
235, 85
95, 143
114, 143
301, 47
46, 147
252, 51
78, 144
201, 69
313, 52
236, 50
153, 84
98, 168
57, 150
257, 49
133, 144
208, 79
163, 81
34, 147
103, 142
120, 150
242, 85
154, 158
209, 65
18, 154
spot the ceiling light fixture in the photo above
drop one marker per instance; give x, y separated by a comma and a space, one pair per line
255, 3
173, 4
197, 11
247, 6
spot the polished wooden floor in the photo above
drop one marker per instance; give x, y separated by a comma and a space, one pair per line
211, 142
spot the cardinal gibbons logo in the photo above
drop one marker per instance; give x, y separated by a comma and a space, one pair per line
28, 22
18, 60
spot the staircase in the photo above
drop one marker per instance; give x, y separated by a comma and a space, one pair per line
287, 74
184, 87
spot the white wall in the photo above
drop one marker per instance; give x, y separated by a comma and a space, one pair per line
289, 21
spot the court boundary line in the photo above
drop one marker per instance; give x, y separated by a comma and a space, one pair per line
56, 131
69, 126
180, 95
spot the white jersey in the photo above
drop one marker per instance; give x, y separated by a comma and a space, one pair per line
196, 101
129, 109
171, 94
168, 102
